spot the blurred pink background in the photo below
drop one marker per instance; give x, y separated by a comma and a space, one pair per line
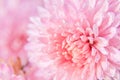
14, 19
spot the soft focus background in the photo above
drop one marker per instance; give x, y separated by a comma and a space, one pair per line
14, 19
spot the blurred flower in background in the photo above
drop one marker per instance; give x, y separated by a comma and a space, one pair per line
7, 72
14, 19
76, 40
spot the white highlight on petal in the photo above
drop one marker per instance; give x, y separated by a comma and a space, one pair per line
93, 51
43, 12
101, 43
92, 3
115, 55
36, 20
111, 16
98, 19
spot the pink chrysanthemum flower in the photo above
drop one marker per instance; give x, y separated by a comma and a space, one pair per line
76, 40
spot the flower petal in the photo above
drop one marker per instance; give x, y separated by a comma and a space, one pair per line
101, 42
115, 41
114, 55
99, 72
44, 13
92, 3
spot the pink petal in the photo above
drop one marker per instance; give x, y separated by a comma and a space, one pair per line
99, 72
115, 41
114, 55
92, 3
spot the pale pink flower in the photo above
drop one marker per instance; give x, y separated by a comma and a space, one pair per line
76, 40
14, 19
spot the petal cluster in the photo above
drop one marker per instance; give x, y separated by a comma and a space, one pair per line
76, 40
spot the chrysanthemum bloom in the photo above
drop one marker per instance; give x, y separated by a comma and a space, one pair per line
76, 40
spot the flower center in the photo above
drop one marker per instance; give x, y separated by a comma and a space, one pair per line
77, 47
81, 47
